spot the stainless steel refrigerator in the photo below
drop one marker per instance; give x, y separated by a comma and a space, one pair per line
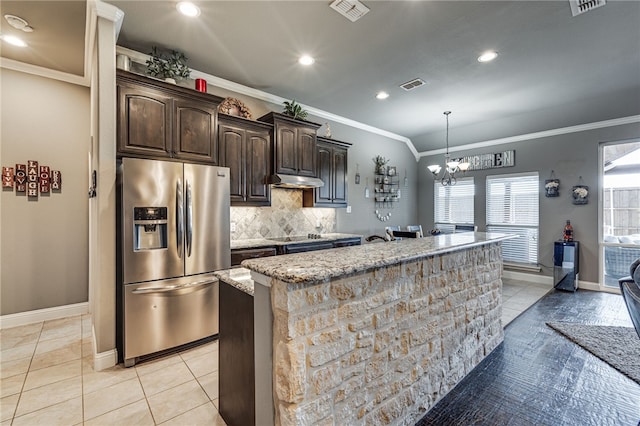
173, 221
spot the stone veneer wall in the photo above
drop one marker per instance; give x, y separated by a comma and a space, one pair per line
284, 217
382, 347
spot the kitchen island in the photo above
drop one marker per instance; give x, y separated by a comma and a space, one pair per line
372, 334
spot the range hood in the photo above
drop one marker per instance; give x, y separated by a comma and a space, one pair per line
291, 181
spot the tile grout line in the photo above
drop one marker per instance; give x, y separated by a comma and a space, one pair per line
146, 399
33, 354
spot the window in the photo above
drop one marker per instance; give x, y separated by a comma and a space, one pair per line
512, 208
620, 195
453, 205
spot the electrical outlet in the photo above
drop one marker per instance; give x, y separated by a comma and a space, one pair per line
233, 227
348, 209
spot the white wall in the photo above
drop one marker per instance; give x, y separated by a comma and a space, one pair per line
44, 242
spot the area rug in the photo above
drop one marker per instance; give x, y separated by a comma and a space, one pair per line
617, 346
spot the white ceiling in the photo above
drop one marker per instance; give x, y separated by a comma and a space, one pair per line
554, 70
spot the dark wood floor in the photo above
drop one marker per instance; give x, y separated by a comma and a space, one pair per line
537, 377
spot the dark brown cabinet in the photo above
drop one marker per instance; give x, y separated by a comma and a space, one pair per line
332, 170
194, 132
238, 255
245, 147
162, 120
294, 150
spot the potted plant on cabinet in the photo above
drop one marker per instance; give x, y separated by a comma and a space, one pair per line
293, 109
167, 67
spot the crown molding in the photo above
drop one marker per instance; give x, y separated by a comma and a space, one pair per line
268, 97
538, 135
95, 9
110, 12
44, 72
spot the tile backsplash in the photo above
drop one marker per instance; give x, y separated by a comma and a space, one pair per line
285, 217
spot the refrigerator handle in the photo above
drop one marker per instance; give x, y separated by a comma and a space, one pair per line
189, 221
179, 219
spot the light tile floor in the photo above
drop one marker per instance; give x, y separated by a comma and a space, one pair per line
48, 378
518, 296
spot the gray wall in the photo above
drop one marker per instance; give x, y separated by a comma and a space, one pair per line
570, 156
44, 242
362, 219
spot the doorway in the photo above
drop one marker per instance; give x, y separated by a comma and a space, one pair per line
620, 210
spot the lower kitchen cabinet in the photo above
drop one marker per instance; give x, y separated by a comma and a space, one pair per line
245, 147
332, 170
238, 255
236, 375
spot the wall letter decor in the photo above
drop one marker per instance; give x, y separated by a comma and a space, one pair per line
32, 179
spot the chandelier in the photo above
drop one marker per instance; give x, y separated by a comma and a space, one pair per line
451, 167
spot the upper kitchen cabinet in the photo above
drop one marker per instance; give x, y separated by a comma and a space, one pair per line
161, 120
245, 147
332, 170
294, 150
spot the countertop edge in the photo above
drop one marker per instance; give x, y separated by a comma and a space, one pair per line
239, 278
307, 268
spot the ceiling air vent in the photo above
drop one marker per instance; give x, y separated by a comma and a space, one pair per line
578, 7
410, 85
350, 9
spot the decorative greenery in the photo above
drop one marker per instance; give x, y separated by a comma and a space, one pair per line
294, 110
380, 160
171, 66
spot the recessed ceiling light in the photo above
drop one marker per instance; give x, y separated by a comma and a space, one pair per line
382, 95
18, 23
488, 56
306, 60
14, 40
188, 9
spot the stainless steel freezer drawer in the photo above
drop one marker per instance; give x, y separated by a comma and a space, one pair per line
164, 314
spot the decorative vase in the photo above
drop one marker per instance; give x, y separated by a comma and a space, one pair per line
382, 170
123, 62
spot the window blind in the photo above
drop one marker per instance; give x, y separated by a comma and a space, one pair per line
454, 204
513, 208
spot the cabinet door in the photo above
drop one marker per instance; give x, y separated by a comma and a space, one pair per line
306, 152
340, 176
258, 165
323, 195
143, 122
194, 131
232, 156
286, 152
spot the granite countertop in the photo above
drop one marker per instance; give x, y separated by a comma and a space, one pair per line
316, 266
265, 242
239, 278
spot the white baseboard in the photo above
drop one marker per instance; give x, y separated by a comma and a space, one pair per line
546, 280
587, 285
105, 360
102, 360
29, 317
532, 278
